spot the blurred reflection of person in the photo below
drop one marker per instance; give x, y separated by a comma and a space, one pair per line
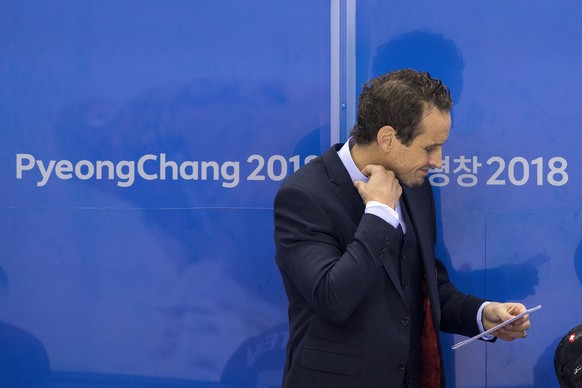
24, 361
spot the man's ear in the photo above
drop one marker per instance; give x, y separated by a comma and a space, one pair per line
386, 137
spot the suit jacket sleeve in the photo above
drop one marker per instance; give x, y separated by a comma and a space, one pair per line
332, 266
458, 311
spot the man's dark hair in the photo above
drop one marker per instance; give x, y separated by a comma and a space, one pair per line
398, 99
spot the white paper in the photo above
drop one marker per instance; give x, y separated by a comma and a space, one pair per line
469, 340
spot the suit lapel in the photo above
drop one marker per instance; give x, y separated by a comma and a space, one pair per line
350, 198
345, 191
420, 212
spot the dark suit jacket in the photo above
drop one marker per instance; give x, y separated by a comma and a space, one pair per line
347, 313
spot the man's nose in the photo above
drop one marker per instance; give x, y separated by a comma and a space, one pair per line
436, 159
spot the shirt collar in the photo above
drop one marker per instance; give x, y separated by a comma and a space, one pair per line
346, 157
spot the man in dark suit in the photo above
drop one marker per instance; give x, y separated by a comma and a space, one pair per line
355, 234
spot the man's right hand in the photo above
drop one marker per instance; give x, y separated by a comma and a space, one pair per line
382, 186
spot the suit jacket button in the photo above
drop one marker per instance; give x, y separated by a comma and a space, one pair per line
401, 366
405, 321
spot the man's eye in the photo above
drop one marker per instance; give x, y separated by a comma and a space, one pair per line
430, 149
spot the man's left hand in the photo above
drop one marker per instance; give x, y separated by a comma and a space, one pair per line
496, 313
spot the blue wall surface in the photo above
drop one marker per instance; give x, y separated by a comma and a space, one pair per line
510, 188
143, 143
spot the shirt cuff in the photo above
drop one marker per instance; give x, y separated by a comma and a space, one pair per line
480, 322
383, 211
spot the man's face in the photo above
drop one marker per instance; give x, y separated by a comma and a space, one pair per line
411, 163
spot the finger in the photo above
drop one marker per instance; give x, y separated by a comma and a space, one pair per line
510, 335
520, 328
522, 321
506, 336
515, 335
520, 325
516, 309
505, 315
372, 169
503, 335
369, 169
359, 185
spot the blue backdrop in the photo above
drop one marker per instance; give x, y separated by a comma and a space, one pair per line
509, 190
143, 143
